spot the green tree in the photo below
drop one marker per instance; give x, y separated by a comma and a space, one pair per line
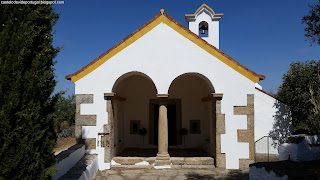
27, 134
313, 23
315, 100
295, 92
65, 110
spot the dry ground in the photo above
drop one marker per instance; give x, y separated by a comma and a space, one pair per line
63, 144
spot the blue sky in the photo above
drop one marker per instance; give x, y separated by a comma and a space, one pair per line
264, 35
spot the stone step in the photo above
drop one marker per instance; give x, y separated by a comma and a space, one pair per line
87, 166
172, 167
179, 162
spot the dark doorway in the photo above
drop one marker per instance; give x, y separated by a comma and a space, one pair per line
172, 124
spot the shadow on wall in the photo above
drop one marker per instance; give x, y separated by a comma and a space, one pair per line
231, 175
282, 124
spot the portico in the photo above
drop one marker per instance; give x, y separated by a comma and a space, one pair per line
134, 93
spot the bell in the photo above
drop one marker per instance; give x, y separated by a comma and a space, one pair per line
203, 28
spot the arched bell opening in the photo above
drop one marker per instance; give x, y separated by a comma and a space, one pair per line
203, 29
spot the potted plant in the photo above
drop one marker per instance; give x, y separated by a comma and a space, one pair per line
143, 132
183, 132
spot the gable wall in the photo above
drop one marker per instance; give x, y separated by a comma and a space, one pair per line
163, 54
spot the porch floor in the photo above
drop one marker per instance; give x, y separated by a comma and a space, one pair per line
152, 152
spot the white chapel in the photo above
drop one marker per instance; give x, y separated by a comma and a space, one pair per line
168, 91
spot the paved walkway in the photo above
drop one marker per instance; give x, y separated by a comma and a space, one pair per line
174, 174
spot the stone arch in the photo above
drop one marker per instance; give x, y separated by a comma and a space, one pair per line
132, 92
130, 74
201, 104
203, 77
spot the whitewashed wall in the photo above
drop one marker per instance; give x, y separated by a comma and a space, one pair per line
264, 114
163, 54
264, 119
270, 114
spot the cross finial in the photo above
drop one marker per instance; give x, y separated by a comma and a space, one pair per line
161, 11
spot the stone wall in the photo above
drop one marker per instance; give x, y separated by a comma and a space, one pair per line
248, 134
84, 120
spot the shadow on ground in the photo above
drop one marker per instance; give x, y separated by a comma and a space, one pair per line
231, 175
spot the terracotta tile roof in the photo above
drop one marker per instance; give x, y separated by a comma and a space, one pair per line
261, 77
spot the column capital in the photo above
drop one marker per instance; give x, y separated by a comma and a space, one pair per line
162, 95
109, 96
217, 96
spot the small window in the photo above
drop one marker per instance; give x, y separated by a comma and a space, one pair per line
203, 29
195, 127
134, 126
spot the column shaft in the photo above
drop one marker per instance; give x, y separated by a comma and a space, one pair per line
163, 130
163, 158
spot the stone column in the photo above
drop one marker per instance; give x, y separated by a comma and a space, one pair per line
163, 158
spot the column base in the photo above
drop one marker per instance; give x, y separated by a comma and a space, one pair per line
162, 160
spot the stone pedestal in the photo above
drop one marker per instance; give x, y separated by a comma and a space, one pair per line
163, 158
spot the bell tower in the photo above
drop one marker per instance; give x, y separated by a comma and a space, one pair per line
205, 23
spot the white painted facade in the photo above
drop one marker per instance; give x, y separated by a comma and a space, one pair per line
162, 55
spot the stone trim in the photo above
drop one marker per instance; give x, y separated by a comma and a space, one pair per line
219, 127
248, 134
90, 143
109, 128
83, 120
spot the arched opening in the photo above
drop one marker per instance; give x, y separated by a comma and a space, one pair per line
196, 126
131, 113
203, 29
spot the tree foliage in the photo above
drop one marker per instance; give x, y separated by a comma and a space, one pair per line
313, 23
65, 109
315, 100
27, 134
300, 90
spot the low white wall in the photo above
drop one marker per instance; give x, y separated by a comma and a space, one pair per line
91, 170
67, 163
262, 174
307, 150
